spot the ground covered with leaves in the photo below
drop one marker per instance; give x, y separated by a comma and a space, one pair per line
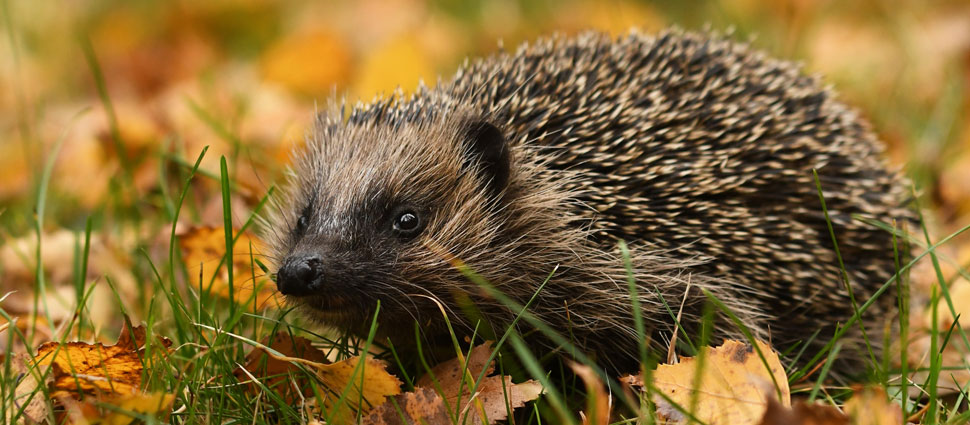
140, 140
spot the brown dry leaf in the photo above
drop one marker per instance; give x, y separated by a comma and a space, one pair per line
598, 403
27, 391
275, 373
494, 397
203, 249
734, 387
871, 406
310, 63
80, 369
421, 406
802, 414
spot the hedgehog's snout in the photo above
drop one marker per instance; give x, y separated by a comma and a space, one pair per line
300, 275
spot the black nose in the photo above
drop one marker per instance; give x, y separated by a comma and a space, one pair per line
300, 275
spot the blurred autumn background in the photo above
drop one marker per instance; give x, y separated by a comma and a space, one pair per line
131, 92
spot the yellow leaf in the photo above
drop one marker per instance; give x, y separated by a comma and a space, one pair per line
402, 62
871, 406
343, 379
203, 249
347, 391
120, 410
157, 405
308, 63
734, 386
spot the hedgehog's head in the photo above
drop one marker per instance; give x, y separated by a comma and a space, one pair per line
380, 207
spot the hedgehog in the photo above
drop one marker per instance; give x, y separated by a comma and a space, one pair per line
529, 169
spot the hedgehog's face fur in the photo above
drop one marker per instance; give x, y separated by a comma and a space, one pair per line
359, 227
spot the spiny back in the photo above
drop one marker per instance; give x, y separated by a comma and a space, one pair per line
705, 148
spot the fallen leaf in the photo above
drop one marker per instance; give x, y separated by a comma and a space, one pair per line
311, 63
447, 391
347, 390
598, 403
80, 369
871, 406
953, 357
18, 261
868, 406
849, 52
960, 295
346, 397
29, 392
14, 171
203, 249
156, 405
802, 414
734, 386
275, 373
421, 406
952, 187
121, 410
400, 63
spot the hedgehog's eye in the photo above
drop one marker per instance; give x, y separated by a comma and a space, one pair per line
407, 223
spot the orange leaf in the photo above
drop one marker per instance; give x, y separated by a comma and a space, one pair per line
80, 369
598, 402
308, 63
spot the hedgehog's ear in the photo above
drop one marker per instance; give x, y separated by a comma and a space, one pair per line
487, 151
